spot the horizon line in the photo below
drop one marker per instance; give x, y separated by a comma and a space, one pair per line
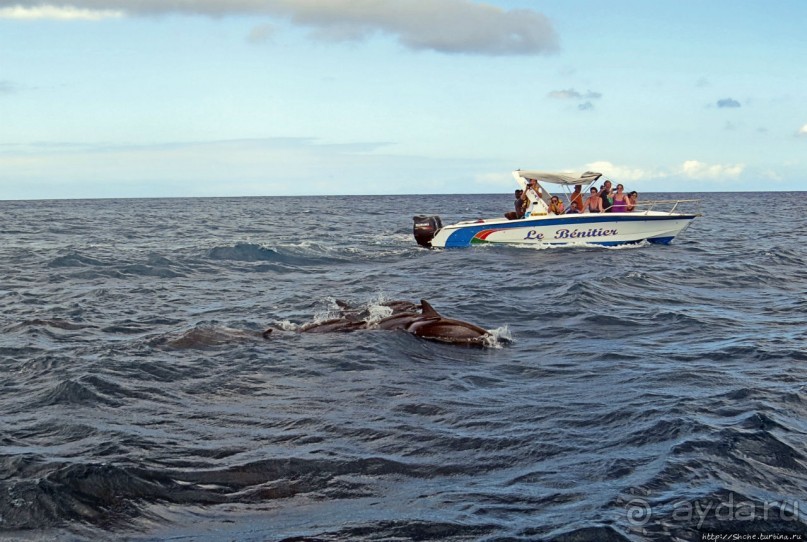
112, 198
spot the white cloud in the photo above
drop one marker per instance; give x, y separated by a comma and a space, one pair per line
447, 26
62, 13
494, 179
771, 176
621, 173
802, 131
695, 169
572, 94
567, 94
262, 33
689, 170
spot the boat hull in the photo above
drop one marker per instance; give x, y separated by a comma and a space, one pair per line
608, 229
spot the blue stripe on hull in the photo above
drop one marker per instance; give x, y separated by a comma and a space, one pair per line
654, 240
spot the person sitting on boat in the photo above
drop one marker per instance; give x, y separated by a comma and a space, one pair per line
577, 196
605, 197
556, 206
574, 208
593, 203
633, 197
620, 201
520, 205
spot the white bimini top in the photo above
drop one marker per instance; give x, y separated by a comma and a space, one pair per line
556, 178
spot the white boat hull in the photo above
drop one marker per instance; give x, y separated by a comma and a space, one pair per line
574, 229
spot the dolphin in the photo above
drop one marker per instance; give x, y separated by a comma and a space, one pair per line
352, 319
334, 325
433, 326
201, 338
426, 324
355, 314
343, 325
399, 321
348, 312
403, 314
398, 306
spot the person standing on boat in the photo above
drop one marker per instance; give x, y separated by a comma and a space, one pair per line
620, 202
605, 197
533, 188
533, 195
577, 196
593, 203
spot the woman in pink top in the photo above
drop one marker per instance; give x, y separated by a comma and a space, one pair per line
620, 204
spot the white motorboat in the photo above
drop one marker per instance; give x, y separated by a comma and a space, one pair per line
658, 221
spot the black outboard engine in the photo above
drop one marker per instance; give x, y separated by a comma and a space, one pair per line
425, 228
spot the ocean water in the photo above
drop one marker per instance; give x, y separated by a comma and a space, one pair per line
644, 393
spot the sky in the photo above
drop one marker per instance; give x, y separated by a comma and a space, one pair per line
191, 98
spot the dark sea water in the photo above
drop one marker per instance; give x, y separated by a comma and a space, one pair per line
646, 393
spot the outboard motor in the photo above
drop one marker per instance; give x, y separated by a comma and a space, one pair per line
425, 228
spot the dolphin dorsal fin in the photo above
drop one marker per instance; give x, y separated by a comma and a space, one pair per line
428, 310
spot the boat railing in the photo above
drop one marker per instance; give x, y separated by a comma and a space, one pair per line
679, 206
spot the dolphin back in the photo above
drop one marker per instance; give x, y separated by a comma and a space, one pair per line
427, 310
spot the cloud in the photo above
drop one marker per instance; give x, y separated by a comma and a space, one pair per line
728, 102
62, 13
770, 175
568, 94
699, 170
241, 167
262, 33
621, 173
194, 167
7, 87
447, 26
802, 131
494, 180
691, 169
572, 94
